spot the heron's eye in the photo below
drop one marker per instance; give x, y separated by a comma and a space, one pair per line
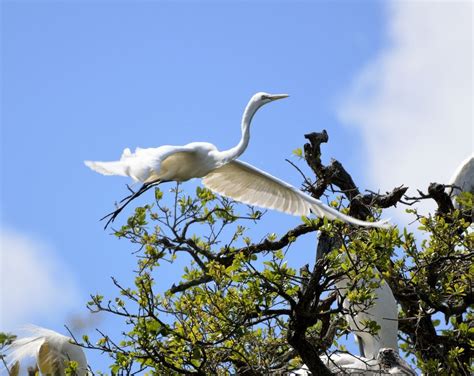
263, 97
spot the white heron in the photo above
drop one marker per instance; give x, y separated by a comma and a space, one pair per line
50, 349
220, 171
383, 310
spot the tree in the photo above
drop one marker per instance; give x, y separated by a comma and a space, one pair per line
239, 308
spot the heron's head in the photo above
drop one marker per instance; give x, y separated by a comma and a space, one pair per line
387, 357
261, 98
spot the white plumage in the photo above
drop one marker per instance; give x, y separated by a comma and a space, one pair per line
50, 349
221, 172
463, 179
383, 311
387, 362
245, 183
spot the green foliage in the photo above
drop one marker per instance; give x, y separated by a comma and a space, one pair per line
298, 152
5, 340
71, 368
439, 276
238, 302
210, 327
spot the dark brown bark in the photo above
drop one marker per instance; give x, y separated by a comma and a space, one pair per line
303, 316
421, 331
309, 307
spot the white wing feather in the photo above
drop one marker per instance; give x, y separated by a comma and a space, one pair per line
142, 165
59, 348
383, 311
246, 183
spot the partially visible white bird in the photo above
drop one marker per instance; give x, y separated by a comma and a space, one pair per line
463, 179
343, 363
50, 349
221, 173
303, 371
387, 362
383, 311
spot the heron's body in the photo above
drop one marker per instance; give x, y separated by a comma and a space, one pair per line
221, 172
50, 349
203, 158
383, 311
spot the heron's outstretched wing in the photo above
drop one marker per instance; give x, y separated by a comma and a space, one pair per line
246, 183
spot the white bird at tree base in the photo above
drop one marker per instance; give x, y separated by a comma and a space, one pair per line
51, 350
387, 362
221, 173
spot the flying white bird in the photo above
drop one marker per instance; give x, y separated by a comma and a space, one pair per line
383, 311
463, 178
51, 350
221, 173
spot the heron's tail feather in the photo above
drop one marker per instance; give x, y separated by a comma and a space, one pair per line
108, 168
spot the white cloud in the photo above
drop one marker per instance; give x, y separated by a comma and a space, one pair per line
35, 284
413, 102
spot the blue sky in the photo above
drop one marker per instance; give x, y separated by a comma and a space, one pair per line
83, 80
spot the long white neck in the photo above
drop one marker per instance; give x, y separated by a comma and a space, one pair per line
229, 155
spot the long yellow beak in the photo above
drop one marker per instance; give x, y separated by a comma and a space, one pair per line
275, 97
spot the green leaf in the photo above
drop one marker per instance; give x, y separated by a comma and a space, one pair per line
298, 152
158, 194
